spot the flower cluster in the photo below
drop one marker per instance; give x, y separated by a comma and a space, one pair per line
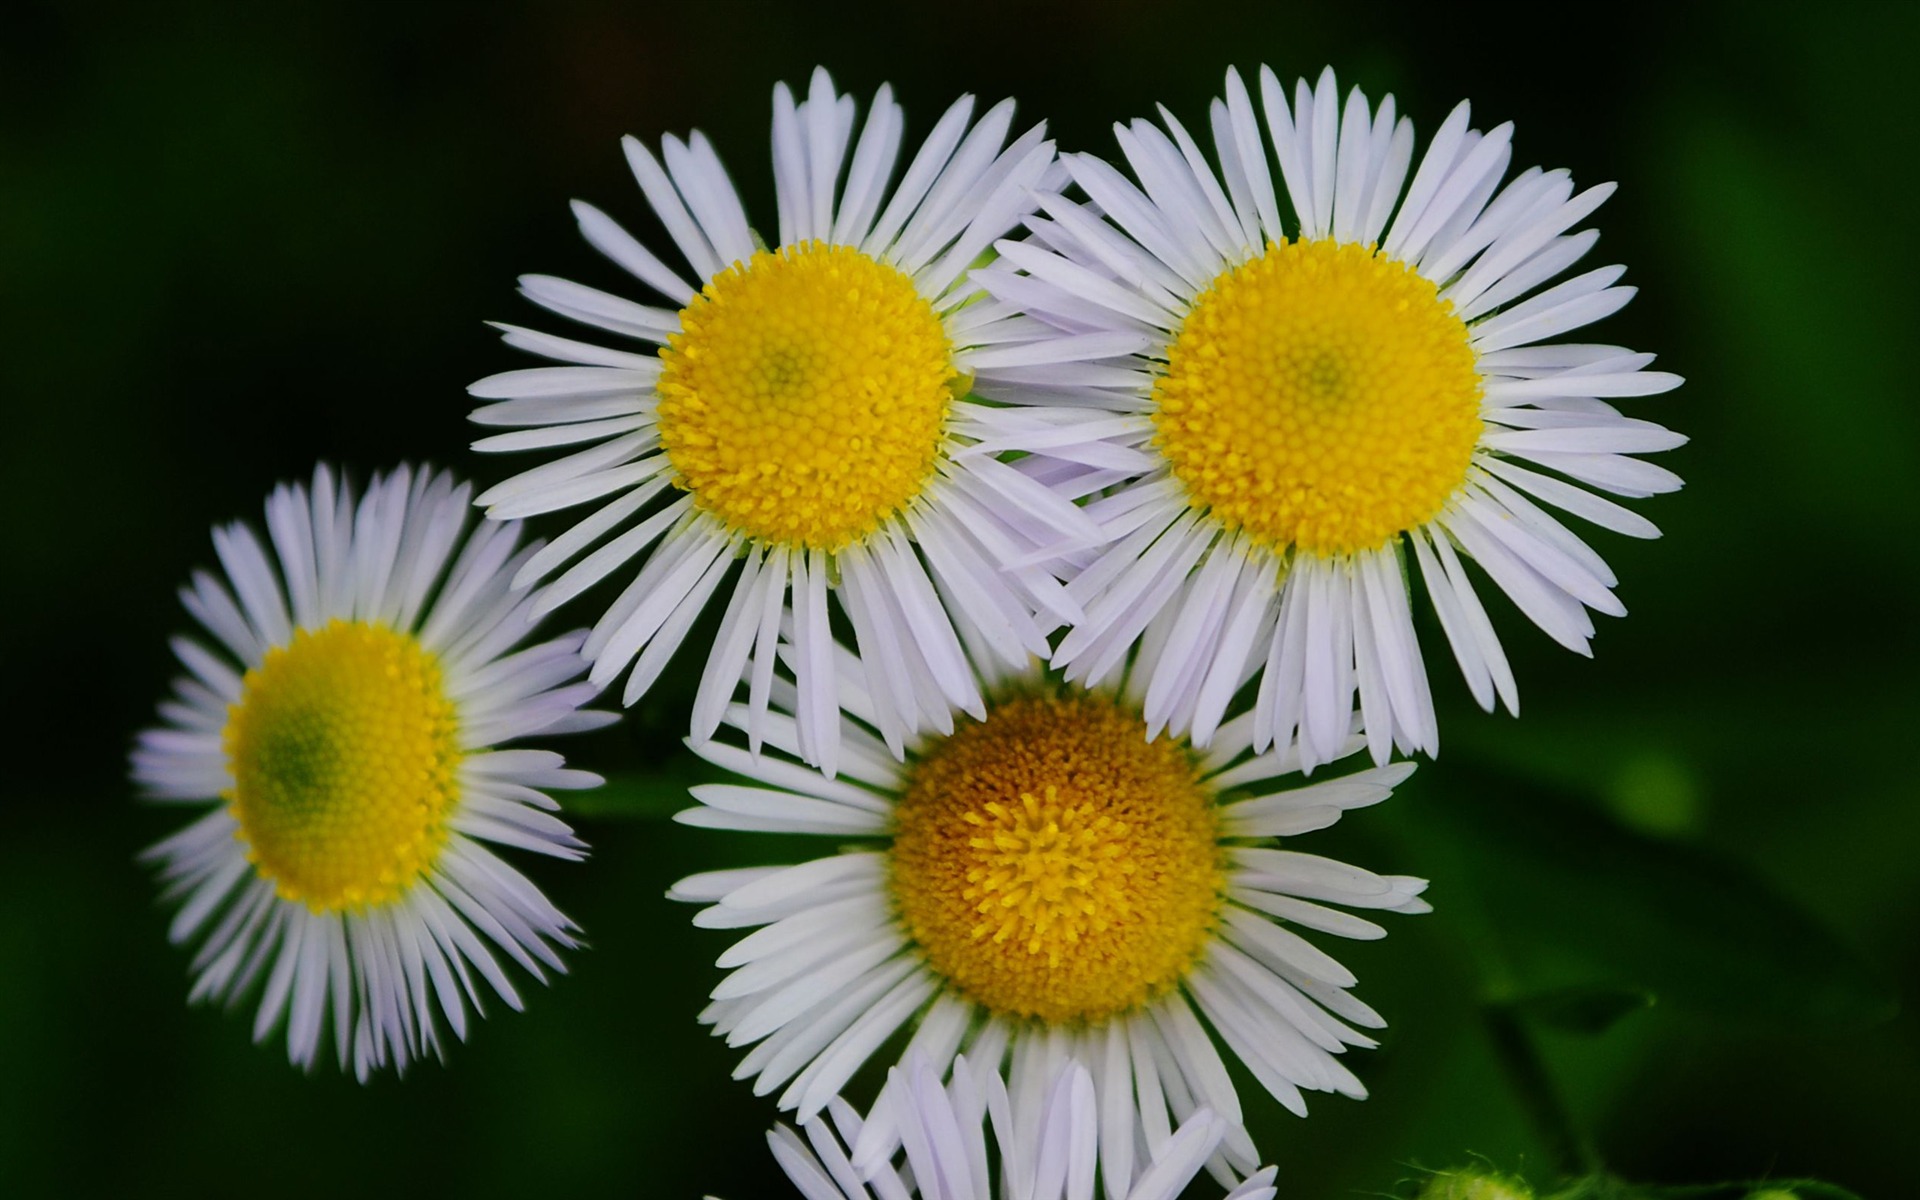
1061, 518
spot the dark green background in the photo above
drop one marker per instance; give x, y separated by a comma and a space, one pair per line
234, 239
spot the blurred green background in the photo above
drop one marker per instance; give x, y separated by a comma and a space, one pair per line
235, 238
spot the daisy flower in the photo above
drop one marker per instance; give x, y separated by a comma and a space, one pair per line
1042, 883
1352, 369
339, 723
812, 410
946, 1145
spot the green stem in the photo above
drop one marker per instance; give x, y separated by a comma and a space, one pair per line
1572, 1152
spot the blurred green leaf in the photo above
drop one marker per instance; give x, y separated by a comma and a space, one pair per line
1483, 1183
1587, 1008
1573, 900
1770, 1189
633, 796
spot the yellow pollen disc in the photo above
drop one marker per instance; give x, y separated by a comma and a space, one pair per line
805, 398
1321, 396
343, 749
1053, 863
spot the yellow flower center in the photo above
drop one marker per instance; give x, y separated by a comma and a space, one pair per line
1051, 862
1321, 396
805, 397
343, 750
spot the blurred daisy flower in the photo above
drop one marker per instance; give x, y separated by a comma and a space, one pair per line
805, 410
1354, 367
1044, 882
339, 722
946, 1145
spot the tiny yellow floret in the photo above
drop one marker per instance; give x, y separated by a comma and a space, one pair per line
1053, 863
1321, 397
344, 749
805, 399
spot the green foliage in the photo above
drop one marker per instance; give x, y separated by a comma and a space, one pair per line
1485, 1183
1587, 920
1606, 1187
636, 796
1583, 1008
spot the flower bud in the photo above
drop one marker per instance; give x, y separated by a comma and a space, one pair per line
1474, 1184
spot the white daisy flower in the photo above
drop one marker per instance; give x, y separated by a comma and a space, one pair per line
807, 411
946, 1146
341, 727
1043, 883
1353, 366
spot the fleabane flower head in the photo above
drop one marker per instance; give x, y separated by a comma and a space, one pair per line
1043, 882
339, 722
948, 1155
1351, 369
812, 410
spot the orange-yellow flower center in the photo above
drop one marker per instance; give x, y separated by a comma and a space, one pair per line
1051, 862
805, 398
343, 749
1321, 396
